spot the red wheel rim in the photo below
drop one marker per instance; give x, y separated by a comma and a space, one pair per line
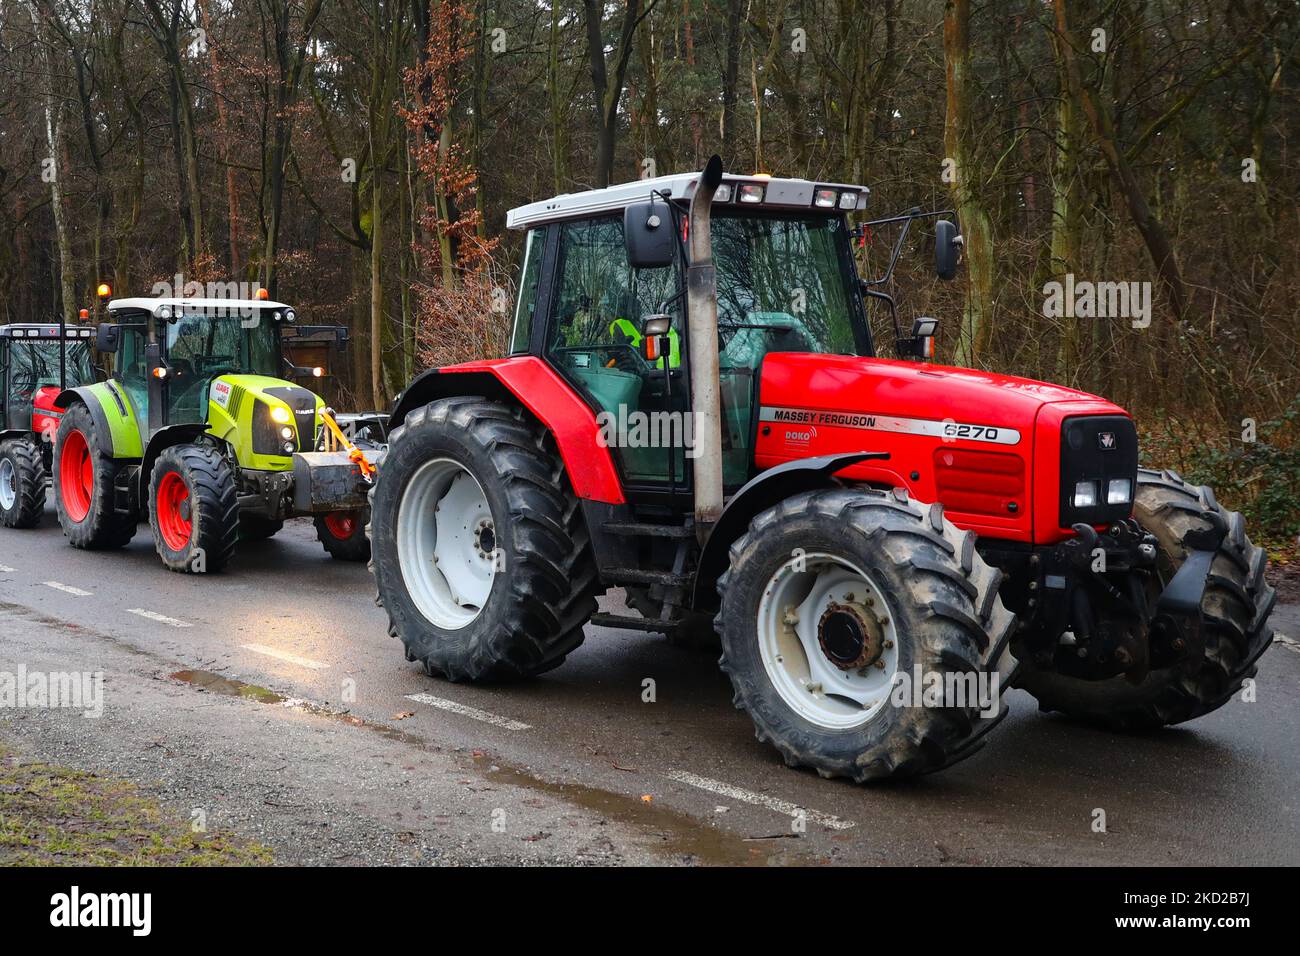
341, 524
172, 510
76, 476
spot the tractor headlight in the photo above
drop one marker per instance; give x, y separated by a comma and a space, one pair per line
1085, 494
824, 198
288, 446
286, 433
280, 415
848, 200
1119, 491
751, 192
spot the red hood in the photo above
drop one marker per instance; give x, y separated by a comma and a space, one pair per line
889, 387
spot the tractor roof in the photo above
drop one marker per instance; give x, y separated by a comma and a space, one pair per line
775, 194
148, 304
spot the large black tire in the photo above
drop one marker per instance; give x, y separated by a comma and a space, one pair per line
196, 535
258, 527
1236, 607
23, 472
343, 534
98, 526
946, 615
538, 603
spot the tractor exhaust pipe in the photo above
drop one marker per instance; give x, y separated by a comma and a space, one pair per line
702, 327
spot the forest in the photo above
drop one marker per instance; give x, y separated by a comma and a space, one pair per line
357, 158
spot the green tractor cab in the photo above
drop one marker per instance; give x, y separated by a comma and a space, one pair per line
37, 362
197, 431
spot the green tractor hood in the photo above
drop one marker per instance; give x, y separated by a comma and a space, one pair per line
264, 419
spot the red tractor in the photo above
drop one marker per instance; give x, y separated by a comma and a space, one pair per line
693, 410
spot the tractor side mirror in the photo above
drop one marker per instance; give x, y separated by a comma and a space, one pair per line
947, 249
648, 235
106, 337
920, 345
654, 329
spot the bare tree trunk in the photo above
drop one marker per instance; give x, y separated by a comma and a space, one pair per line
1148, 225
223, 129
958, 138
54, 143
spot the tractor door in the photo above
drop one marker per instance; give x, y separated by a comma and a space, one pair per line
131, 370
593, 340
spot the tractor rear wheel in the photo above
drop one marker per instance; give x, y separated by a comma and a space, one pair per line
864, 635
84, 473
343, 534
1236, 606
193, 510
480, 552
22, 484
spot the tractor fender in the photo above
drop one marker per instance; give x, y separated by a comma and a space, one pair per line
528, 381
112, 414
758, 494
162, 439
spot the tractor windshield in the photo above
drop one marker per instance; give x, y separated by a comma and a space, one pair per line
784, 285
202, 346
206, 346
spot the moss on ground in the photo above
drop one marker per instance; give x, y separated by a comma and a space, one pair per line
56, 816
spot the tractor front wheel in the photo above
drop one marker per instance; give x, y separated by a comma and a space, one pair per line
84, 473
343, 534
864, 635
481, 556
1235, 609
193, 510
22, 484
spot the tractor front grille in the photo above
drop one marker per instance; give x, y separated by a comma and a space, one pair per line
1097, 448
266, 433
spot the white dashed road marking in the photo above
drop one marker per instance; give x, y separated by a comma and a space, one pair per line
759, 800
1288, 643
5, 569
67, 589
455, 708
284, 656
160, 618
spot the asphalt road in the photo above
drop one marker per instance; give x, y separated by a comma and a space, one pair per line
339, 764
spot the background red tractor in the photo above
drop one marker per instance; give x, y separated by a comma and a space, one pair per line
848, 523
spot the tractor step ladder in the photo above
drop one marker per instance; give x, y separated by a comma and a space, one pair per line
672, 583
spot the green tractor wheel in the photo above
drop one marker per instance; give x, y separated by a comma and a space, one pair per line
193, 510
84, 474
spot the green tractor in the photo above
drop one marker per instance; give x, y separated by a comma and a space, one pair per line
196, 430
38, 361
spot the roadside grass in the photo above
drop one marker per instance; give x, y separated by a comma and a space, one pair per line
56, 816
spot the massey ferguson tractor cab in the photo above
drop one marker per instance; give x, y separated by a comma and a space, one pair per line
37, 362
693, 409
198, 430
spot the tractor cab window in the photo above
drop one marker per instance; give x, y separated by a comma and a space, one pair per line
595, 340
783, 286
34, 364
526, 298
201, 347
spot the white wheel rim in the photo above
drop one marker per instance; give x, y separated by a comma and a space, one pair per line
8, 485
446, 543
806, 604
